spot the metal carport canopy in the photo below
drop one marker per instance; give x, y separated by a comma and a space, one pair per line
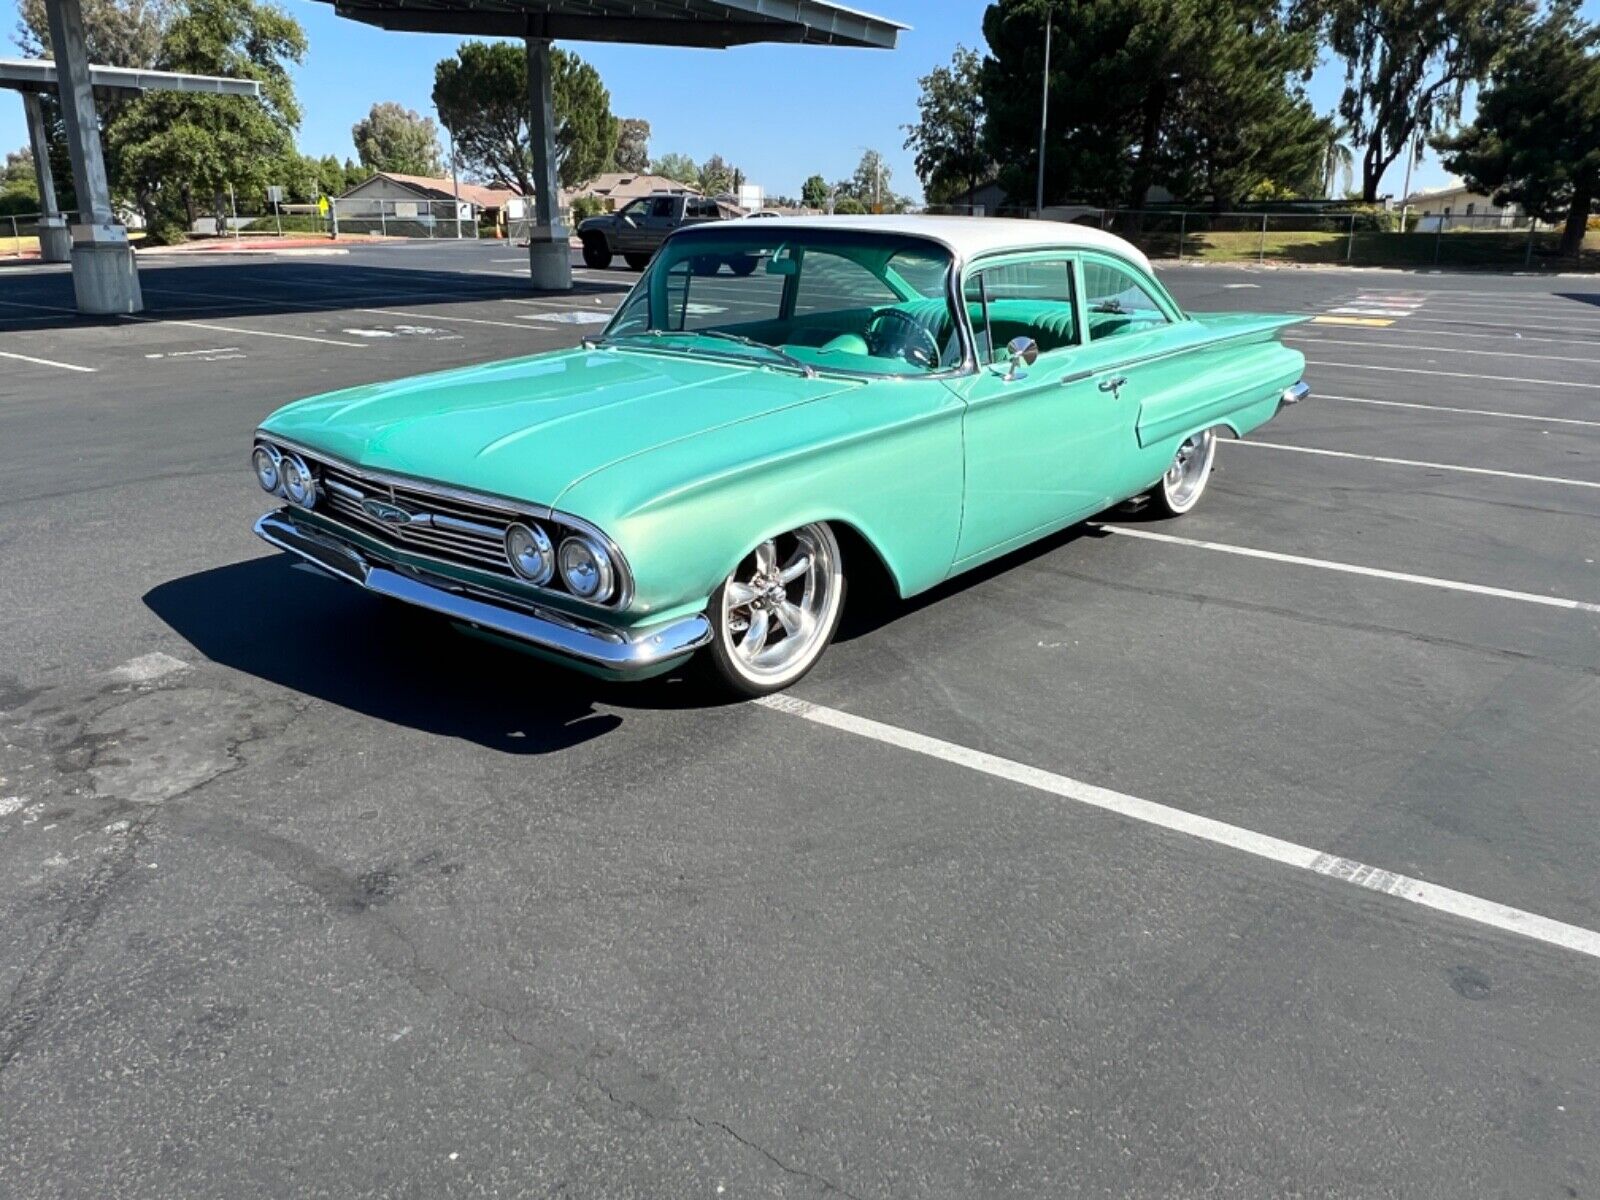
713, 24
39, 75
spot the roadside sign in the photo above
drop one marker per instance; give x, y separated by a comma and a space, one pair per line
274, 194
322, 206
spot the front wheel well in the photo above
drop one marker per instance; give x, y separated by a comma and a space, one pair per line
869, 575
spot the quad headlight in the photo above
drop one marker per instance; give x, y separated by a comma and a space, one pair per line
586, 568
298, 483
530, 552
266, 461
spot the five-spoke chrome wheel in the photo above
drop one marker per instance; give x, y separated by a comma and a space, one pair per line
777, 611
1184, 483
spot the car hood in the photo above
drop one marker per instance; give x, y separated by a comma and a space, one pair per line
529, 428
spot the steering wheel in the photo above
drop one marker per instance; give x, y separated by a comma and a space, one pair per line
893, 333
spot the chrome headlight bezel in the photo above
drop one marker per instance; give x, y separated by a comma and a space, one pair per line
293, 468
266, 450
579, 554
543, 547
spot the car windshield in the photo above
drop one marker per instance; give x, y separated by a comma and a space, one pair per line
801, 299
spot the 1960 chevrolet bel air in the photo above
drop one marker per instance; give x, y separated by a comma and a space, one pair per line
775, 406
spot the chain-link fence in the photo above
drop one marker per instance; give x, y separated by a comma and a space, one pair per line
364, 217
1368, 236
19, 235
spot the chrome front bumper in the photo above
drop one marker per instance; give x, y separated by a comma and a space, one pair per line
607, 649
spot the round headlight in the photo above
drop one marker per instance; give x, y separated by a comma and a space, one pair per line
586, 568
265, 461
298, 484
528, 547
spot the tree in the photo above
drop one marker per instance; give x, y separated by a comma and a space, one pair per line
814, 192
948, 134
163, 148
1338, 161
482, 97
1536, 139
870, 182
715, 176
633, 145
119, 33
676, 166
1234, 124
1407, 65
394, 138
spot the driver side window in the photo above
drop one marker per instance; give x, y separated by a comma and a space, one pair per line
1034, 299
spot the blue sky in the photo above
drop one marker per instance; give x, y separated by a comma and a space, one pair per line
778, 112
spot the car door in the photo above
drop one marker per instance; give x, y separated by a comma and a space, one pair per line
630, 226
1041, 440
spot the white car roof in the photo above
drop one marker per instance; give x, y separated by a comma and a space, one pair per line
967, 237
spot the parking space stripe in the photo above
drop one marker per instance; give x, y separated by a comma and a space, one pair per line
291, 337
1474, 412
47, 362
1324, 564
1464, 905
1450, 333
1412, 462
1350, 366
1380, 345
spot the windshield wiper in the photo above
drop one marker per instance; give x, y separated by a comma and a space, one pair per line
803, 367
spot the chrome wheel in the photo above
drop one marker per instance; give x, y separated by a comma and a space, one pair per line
1185, 480
777, 611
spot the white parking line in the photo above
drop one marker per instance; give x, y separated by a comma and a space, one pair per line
414, 316
47, 362
1482, 337
1452, 374
1176, 820
1473, 412
1377, 345
1324, 564
289, 337
1412, 462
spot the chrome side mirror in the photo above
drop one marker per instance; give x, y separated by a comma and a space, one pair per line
1021, 353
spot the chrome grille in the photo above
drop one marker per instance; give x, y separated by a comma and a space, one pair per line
443, 526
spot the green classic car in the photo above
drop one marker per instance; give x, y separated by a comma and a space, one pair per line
776, 406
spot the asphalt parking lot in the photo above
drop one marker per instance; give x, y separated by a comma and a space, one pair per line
1251, 854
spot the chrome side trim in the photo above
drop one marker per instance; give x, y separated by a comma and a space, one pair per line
1295, 393
600, 647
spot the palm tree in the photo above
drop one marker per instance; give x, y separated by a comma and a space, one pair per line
1338, 159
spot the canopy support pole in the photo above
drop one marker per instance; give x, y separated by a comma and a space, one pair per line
55, 241
549, 256
103, 275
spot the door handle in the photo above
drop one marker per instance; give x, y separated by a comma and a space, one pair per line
1112, 384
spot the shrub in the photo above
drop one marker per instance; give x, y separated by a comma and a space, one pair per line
584, 207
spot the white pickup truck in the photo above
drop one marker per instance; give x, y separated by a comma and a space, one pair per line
637, 230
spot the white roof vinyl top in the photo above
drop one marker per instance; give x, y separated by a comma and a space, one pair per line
967, 237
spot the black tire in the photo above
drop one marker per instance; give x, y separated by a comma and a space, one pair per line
637, 262
596, 253
720, 663
742, 265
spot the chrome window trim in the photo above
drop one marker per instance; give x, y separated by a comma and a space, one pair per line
514, 510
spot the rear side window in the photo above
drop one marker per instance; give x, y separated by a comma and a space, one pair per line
1118, 302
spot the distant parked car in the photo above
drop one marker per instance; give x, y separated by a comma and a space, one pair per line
764, 212
637, 230
900, 397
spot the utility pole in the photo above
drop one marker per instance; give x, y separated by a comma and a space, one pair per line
1044, 114
455, 177
1405, 192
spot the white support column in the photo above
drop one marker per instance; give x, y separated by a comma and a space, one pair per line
103, 275
549, 256
55, 241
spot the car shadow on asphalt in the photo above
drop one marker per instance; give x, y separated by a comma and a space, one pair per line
325, 639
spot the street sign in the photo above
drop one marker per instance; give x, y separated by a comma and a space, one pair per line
322, 206
274, 194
